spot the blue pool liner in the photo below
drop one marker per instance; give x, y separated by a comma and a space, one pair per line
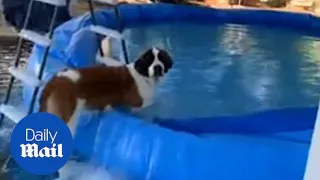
271, 145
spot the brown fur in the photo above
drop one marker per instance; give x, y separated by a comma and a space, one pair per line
99, 86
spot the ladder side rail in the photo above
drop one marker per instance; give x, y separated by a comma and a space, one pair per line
94, 22
17, 59
313, 159
120, 29
44, 59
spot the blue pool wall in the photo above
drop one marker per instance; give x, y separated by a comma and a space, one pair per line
264, 145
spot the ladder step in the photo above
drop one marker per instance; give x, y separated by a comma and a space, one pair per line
35, 37
106, 31
54, 2
24, 76
109, 61
13, 113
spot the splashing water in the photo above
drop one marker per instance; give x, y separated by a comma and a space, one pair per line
83, 171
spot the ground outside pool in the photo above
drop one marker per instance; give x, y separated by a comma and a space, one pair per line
240, 102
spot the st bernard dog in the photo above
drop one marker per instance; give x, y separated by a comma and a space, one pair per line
102, 87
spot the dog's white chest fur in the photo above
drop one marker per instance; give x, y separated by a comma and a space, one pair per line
146, 86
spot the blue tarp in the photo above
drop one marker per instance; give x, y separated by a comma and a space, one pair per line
270, 145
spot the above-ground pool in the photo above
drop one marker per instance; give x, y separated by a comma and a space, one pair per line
240, 102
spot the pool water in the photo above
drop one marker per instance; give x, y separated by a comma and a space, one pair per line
226, 69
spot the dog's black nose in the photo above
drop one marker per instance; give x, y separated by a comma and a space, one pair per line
157, 70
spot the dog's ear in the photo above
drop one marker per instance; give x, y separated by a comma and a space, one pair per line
144, 62
166, 59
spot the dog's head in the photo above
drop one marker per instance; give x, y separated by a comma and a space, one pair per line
154, 63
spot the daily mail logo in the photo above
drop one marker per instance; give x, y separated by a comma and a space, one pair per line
41, 143
33, 150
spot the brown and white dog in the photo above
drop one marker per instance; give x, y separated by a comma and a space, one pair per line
102, 87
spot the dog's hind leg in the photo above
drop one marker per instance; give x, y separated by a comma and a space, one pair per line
74, 119
70, 116
66, 106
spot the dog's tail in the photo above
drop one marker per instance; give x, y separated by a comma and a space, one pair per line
106, 46
106, 50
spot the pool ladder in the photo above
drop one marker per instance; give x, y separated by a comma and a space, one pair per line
16, 114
